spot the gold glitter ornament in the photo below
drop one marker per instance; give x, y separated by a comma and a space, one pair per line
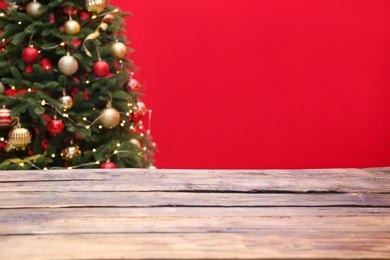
70, 152
19, 137
95, 6
66, 102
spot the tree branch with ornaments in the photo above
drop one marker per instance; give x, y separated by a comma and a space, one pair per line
68, 98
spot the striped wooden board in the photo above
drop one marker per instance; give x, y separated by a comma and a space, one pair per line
193, 214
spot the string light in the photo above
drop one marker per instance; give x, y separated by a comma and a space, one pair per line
19, 23
93, 17
62, 44
45, 169
2, 139
2, 14
118, 144
84, 118
94, 150
53, 155
29, 89
43, 102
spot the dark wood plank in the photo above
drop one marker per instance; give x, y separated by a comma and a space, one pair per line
197, 246
194, 199
329, 180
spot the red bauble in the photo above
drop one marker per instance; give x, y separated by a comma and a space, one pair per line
55, 126
5, 117
101, 68
108, 165
133, 84
46, 64
30, 55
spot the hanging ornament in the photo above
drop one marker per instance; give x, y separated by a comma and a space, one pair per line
101, 68
72, 27
136, 142
5, 117
109, 117
9, 7
33, 9
30, 55
118, 50
68, 65
69, 10
133, 84
19, 137
2, 88
70, 152
55, 126
108, 165
46, 64
141, 108
95, 6
66, 102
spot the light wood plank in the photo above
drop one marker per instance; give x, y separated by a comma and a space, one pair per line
197, 246
33, 225
158, 199
338, 180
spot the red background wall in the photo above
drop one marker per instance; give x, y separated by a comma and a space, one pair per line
265, 84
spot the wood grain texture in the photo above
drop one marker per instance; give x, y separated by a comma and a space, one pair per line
186, 214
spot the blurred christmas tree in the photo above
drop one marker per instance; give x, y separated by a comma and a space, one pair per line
66, 89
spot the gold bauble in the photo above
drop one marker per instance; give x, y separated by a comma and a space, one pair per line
118, 50
72, 27
66, 102
68, 65
109, 118
70, 152
33, 9
136, 142
19, 137
95, 6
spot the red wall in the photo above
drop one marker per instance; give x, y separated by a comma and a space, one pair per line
265, 84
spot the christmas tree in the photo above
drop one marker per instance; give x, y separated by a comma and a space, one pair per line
68, 98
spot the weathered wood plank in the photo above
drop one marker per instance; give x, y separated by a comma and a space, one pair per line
339, 180
34, 224
197, 246
22, 214
194, 199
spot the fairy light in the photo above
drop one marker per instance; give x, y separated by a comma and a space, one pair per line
142, 135
53, 155
116, 152
62, 44
13, 87
19, 22
87, 82
21, 164
29, 89
100, 127
43, 102
122, 124
2, 139
39, 51
94, 150
116, 10
88, 127
69, 168
93, 17
2, 14
84, 118
65, 115
127, 114
32, 46
45, 169
118, 144
120, 61
144, 148
97, 162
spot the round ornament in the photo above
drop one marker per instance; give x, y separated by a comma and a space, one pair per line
33, 9
19, 137
109, 118
118, 50
72, 27
55, 126
141, 108
30, 55
133, 84
136, 142
68, 10
101, 68
2, 88
95, 6
66, 102
108, 165
46, 64
68, 65
70, 152
5, 117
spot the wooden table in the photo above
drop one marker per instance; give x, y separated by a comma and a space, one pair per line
125, 214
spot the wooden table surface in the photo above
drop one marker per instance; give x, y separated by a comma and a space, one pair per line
138, 214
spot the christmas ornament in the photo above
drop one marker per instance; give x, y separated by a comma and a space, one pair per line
30, 55
5, 117
136, 142
109, 117
33, 9
118, 50
68, 10
66, 102
68, 65
108, 165
72, 27
9, 7
46, 64
95, 6
101, 68
19, 137
2, 88
141, 108
55, 126
133, 84
70, 152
